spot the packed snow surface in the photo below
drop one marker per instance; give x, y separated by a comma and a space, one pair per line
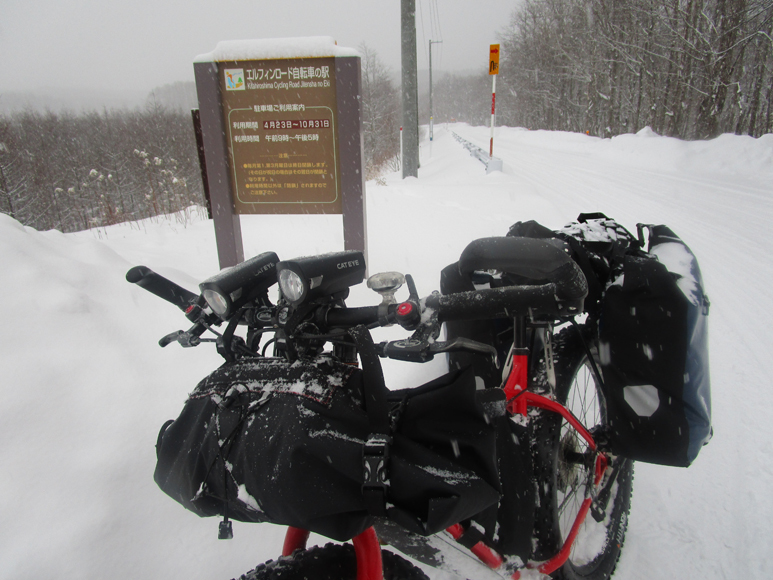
85, 387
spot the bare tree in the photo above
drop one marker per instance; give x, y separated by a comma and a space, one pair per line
380, 113
75, 172
688, 68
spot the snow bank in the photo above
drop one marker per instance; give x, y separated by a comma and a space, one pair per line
727, 154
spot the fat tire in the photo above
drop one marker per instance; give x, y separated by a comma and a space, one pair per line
330, 562
552, 439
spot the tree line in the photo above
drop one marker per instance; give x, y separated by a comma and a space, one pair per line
687, 68
74, 172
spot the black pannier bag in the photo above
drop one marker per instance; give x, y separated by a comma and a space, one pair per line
653, 337
262, 440
652, 315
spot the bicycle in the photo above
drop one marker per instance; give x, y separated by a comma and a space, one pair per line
562, 497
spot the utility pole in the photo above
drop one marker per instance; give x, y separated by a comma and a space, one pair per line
410, 89
431, 119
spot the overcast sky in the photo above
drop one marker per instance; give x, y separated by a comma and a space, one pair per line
137, 45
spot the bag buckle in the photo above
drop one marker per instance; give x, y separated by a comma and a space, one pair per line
375, 456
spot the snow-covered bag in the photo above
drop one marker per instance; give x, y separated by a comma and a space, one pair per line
653, 349
653, 335
262, 440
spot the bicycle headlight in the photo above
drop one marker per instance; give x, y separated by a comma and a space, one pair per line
218, 302
291, 285
320, 277
232, 288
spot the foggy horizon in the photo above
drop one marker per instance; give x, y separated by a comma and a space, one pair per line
132, 49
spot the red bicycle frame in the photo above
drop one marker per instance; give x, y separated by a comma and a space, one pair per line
366, 548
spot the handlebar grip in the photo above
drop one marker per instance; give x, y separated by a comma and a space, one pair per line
349, 317
503, 302
156, 284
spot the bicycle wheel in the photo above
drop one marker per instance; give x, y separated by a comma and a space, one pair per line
330, 562
563, 469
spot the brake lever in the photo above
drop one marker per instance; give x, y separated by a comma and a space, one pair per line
414, 350
187, 339
465, 344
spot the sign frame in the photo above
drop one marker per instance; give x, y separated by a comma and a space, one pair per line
346, 114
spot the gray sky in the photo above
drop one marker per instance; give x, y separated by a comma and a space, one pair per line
141, 44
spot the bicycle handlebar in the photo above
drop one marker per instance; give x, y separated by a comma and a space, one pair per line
505, 302
162, 287
489, 303
349, 317
561, 293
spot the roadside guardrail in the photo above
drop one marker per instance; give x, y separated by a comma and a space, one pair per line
491, 163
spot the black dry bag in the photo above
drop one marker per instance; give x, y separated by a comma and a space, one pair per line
263, 440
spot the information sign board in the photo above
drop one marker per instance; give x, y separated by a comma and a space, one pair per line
279, 126
281, 134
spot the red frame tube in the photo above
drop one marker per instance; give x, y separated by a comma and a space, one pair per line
519, 401
485, 554
516, 383
295, 539
563, 555
368, 550
602, 462
535, 400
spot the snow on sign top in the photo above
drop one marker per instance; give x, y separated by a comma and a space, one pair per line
274, 48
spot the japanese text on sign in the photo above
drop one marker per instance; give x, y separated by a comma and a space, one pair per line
282, 143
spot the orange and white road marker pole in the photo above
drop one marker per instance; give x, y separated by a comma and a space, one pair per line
493, 70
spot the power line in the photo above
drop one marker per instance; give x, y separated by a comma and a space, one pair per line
423, 36
436, 12
440, 33
435, 29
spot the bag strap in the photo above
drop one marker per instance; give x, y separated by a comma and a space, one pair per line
375, 453
374, 388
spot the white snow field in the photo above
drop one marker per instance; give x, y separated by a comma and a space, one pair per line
84, 386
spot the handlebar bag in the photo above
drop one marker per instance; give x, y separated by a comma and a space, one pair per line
262, 440
653, 337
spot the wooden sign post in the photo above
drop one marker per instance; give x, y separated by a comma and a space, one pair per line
281, 129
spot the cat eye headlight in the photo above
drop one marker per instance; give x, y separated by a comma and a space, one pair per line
320, 277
